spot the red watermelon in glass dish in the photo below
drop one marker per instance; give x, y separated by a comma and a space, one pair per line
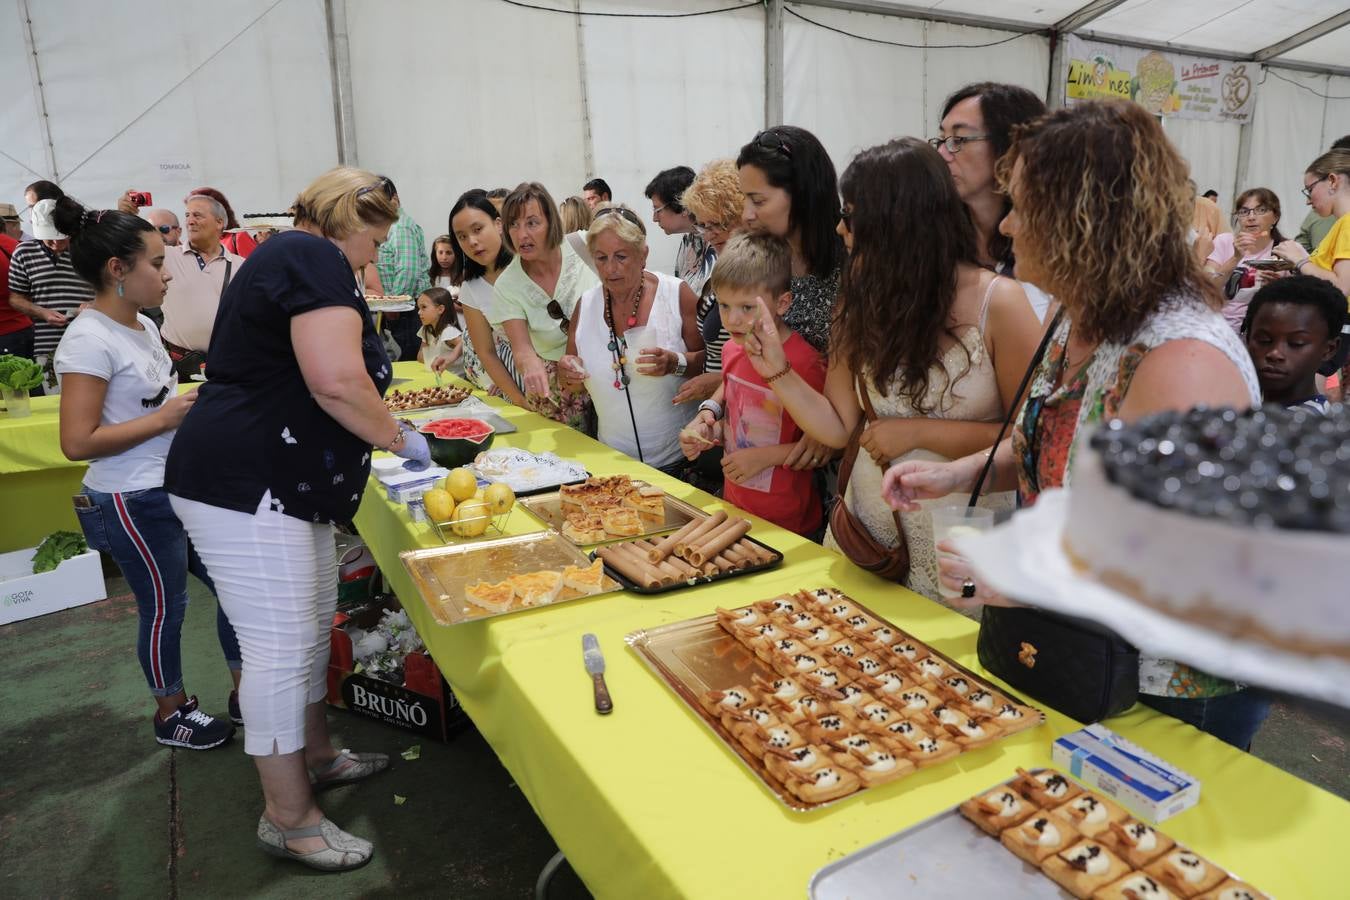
455, 442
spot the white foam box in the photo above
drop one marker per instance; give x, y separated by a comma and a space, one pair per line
1149, 786
24, 595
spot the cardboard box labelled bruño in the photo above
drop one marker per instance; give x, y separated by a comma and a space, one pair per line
423, 704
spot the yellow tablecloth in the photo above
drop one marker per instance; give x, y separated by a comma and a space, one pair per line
645, 802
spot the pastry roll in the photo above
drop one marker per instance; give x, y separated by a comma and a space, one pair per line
1092, 814
1138, 844
1084, 868
999, 809
1042, 835
1234, 890
1185, 873
1134, 886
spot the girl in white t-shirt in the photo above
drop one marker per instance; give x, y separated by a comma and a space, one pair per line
442, 344
119, 409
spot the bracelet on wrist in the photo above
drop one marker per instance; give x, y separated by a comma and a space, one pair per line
396, 441
711, 406
681, 363
787, 367
1298, 267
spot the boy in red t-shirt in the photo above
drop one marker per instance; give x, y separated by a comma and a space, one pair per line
756, 432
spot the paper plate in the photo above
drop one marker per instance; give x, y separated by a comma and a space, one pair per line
1023, 558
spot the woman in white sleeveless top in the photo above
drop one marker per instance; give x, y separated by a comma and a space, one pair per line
633, 342
939, 343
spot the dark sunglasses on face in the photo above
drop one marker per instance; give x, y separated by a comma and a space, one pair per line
772, 140
165, 229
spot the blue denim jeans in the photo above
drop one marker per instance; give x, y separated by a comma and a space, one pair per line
139, 530
1233, 718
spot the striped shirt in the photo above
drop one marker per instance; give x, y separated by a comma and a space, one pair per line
49, 280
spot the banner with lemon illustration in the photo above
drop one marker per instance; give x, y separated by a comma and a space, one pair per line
1166, 84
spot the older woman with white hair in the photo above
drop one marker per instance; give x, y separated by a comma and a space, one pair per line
633, 341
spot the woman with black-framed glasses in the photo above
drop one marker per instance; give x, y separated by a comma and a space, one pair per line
534, 298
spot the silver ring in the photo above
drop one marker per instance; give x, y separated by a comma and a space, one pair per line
968, 589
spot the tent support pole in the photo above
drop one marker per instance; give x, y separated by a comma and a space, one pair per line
773, 63
340, 78
587, 141
44, 122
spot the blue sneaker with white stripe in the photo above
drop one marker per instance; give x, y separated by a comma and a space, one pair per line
190, 728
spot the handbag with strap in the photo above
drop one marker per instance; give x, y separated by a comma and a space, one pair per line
1082, 669
852, 536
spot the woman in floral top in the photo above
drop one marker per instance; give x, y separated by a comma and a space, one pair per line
1101, 207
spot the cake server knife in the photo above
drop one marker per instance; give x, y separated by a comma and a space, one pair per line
595, 665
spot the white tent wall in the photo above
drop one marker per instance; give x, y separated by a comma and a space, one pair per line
1211, 148
165, 98
1287, 135
23, 149
474, 93
855, 94
668, 92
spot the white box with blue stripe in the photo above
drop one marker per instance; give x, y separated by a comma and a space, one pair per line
1150, 787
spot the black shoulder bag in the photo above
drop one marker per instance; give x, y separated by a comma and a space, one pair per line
1076, 666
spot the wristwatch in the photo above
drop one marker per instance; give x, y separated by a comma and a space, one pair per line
681, 363
711, 406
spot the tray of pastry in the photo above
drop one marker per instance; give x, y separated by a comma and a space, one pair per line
709, 548
527, 473
610, 508
380, 303
480, 580
414, 399
1059, 839
823, 699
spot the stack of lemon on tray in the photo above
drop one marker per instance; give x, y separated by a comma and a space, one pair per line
468, 509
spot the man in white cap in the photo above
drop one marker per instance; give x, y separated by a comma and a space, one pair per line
9, 217
44, 286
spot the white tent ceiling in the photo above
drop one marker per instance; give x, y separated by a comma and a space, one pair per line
1228, 27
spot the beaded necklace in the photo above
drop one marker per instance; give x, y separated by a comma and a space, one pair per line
618, 346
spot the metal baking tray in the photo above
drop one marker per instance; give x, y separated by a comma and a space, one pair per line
697, 655
629, 585
548, 509
442, 573
941, 857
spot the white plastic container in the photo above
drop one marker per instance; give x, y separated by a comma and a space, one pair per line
24, 595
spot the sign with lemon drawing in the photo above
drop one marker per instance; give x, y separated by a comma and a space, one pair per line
1166, 84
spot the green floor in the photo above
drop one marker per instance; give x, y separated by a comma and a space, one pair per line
90, 804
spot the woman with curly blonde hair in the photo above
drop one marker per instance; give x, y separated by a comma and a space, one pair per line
715, 202
1101, 207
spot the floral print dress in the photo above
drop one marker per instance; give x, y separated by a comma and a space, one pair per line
1061, 405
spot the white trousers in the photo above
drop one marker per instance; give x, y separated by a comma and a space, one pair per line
276, 578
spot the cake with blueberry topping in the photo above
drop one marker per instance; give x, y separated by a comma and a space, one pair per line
1237, 521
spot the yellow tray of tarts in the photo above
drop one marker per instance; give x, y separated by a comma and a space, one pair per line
822, 699
610, 508
469, 582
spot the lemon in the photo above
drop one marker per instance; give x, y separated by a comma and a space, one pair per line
461, 483
471, 519
440, 505
500, 497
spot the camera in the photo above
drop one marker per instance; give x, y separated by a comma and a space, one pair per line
141, 198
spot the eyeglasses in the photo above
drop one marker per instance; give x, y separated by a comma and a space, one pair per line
656, 212
384, 184
554, 310
772, 140
1247, 212
165, 229
625, 213
1307, 191
704, 229
955, 142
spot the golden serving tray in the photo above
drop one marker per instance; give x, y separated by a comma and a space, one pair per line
442, 573
697, 655
548, 509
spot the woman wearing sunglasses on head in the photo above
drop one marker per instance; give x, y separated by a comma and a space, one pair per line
633, 341
534, 299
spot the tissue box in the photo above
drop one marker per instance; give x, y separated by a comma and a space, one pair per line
402, 486
25, 595
1151, 787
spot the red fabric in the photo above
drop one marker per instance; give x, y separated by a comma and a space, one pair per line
240, 243
11, 320
782, 496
